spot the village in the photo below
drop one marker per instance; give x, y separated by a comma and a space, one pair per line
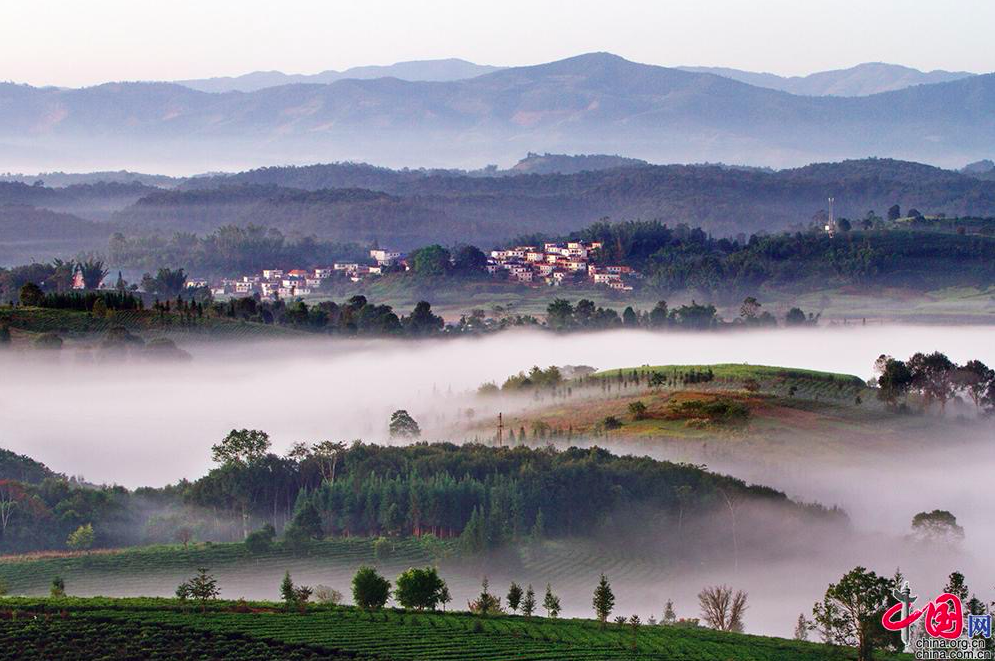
555, 264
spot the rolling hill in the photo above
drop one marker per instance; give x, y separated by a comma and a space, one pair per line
594, 103
356, 202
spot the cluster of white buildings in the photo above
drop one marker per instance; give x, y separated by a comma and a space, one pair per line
556, 263
553, 264
272, 283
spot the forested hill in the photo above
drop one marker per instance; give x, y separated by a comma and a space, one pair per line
486, 495
420, 207
93, 201
20, 468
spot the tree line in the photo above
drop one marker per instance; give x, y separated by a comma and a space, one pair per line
934, 379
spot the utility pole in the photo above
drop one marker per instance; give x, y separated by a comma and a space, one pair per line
500, 434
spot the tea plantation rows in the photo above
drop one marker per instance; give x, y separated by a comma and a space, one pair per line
93, 638
147, 628
131, 571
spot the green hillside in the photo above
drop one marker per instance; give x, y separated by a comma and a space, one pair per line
162, 628
73, 323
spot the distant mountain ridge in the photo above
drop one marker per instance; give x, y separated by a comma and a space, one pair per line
593, 103
861, 80
407, 209
418, 70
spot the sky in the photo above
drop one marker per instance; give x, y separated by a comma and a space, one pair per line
55, 42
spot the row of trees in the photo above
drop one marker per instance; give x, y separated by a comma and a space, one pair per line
356, 316
421, 588
934, 379
562, 315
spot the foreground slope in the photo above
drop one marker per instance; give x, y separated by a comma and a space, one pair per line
159, 628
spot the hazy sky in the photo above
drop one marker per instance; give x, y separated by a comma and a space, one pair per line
80, 43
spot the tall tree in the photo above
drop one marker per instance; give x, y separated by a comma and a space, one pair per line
850, 612
422, 321
402, 425
419, 588
529, 601
932, 377
514, 598
603, 601
551, 602
370, 590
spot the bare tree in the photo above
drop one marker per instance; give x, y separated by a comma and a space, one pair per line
721, 608
327, 453
8, 501
733, 500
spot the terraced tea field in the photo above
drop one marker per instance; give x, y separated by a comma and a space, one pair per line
157, 570
145, 628
572, 565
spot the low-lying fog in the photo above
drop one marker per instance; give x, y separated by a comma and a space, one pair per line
151, 424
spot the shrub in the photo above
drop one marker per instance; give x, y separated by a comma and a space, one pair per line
717, 411
260, 541
326, 595
638, 410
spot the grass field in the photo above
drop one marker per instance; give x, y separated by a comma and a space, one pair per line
156, 628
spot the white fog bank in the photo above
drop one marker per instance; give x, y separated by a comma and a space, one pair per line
151, 424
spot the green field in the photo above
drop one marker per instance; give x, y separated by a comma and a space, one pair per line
157, 628
743, 371
159, 569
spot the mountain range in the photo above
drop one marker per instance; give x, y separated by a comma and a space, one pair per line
861, 80
423, 70
594, 103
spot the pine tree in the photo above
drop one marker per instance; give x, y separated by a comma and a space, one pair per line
802, 628
551, 602
287, 592
604, 600
529, 602
514, 597
669, 616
